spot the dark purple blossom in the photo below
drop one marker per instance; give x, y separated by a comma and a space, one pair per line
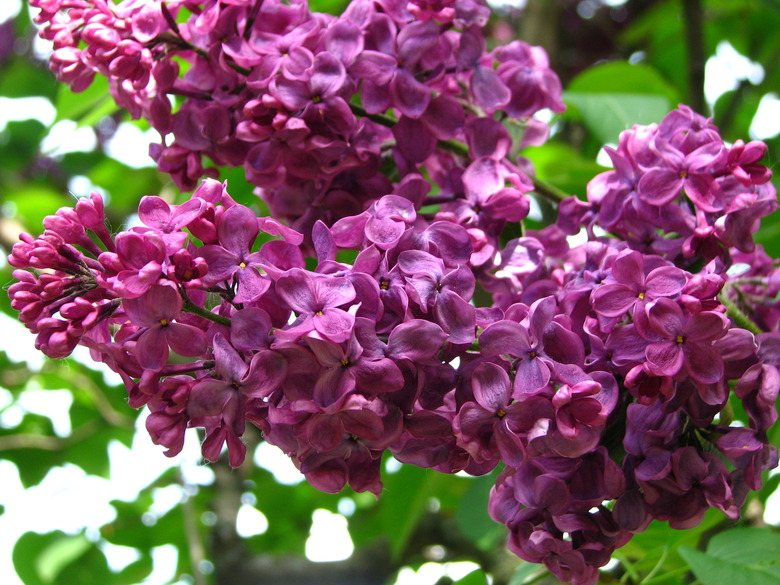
220, 404
444, 292
683, 343
538, 343
494, 426
317, 300
633, 287
397, 313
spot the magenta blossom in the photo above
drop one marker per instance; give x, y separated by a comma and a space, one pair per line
233, 257
494, 426
155, 311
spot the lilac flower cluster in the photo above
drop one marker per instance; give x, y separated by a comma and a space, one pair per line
600, 378
311, 105
726, 191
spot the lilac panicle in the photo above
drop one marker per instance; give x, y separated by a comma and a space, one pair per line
598, 374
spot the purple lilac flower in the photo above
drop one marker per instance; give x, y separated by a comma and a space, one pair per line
679, 342
494, 426
155, 312
221, 404
631, 321
317, 300
634, 287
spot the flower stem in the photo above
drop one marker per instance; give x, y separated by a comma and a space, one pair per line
737, 316
545, 189
190, 307
385, 121
548, 190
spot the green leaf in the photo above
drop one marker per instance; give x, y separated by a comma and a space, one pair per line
288, 509
769, 237
647, 548
13, 375
33, 202
41, 559
658, 33
26, 550
606, 115
624, 78
472, 515
22, 78
404, 501
770, 486
59, 554
86, 107
91, 452
135, 527
474, 578
749, 556
563, 166
329, 6
125, 185
19, 144
90, 569
243, 189
526, 572
135, 572
760, 546
615, 96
